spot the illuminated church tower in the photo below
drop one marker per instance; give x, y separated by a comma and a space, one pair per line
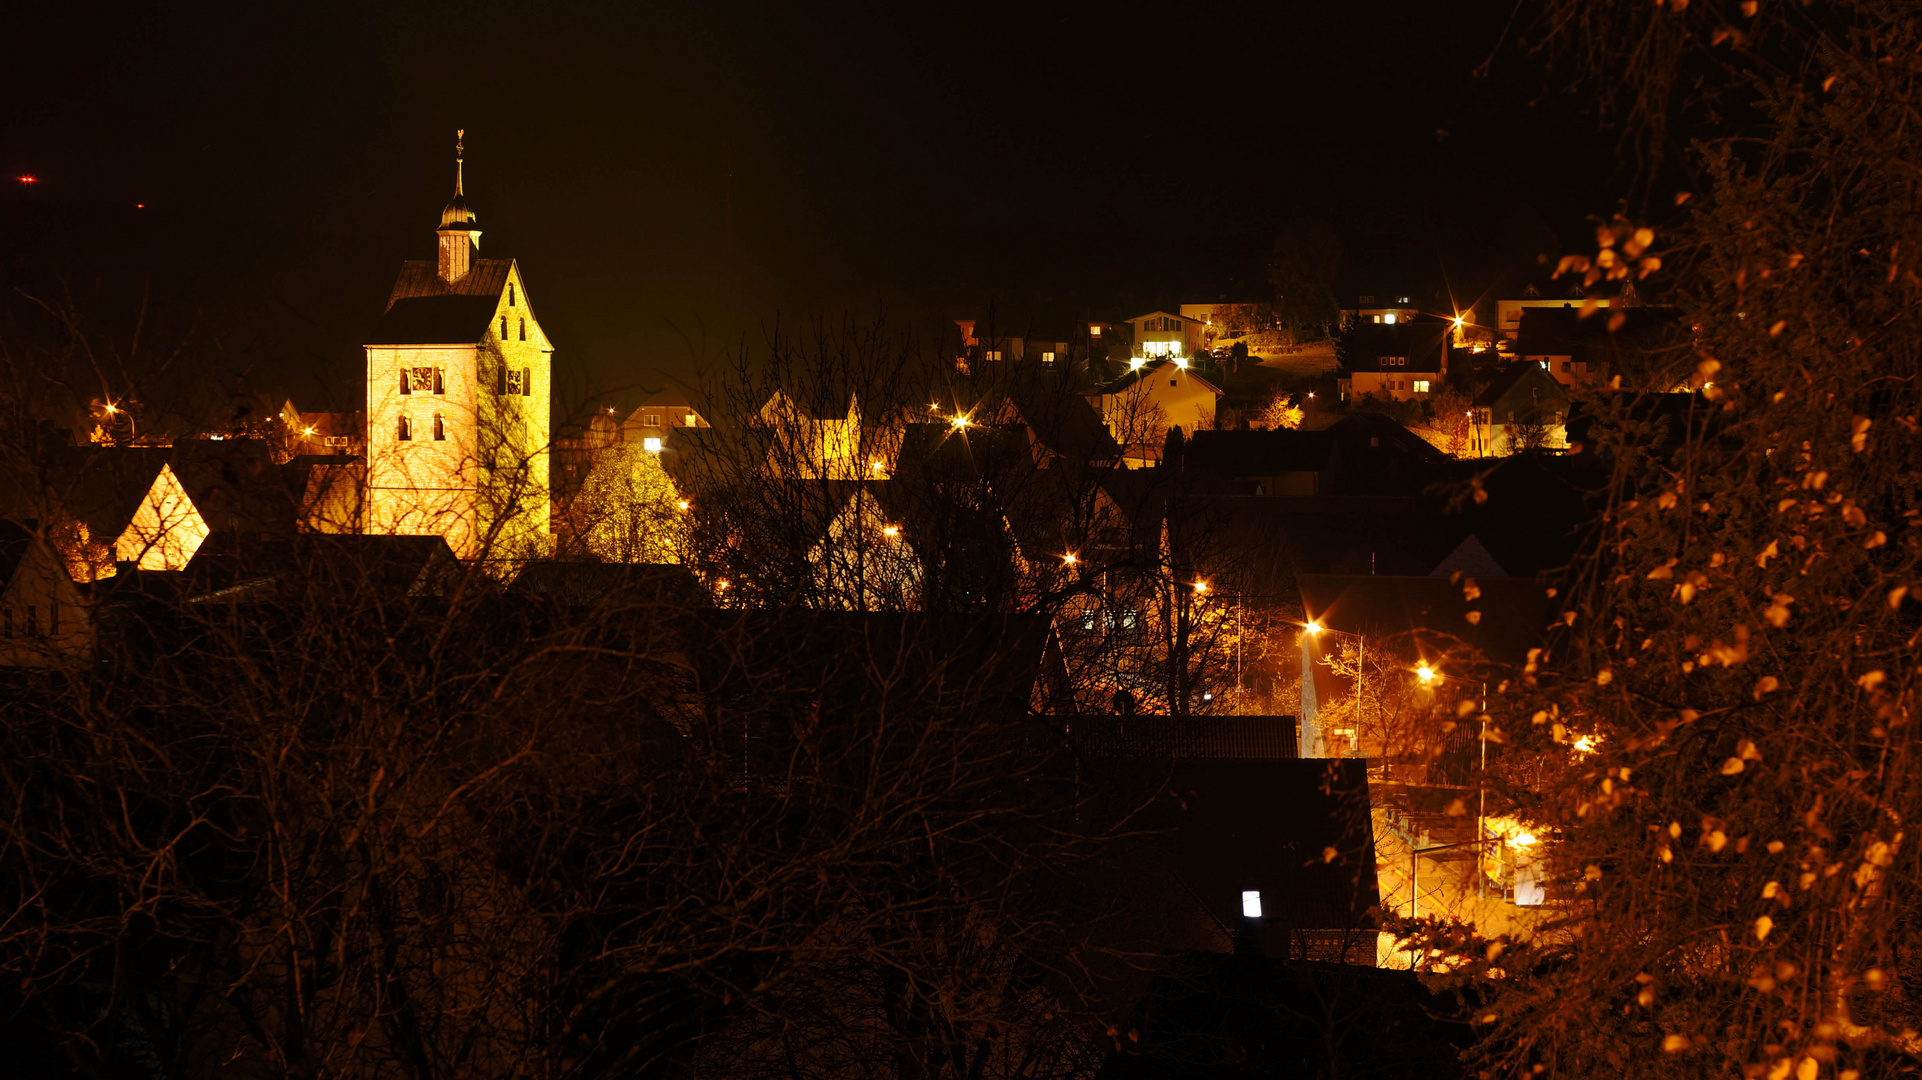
458, 380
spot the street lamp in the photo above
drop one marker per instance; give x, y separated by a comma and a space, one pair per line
1315, 628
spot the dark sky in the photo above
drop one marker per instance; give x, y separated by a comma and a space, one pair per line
672, 176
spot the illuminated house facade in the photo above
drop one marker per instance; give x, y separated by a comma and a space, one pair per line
459, 382
1165, 333
1140, 406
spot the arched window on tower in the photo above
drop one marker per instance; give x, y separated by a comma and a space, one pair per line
500, 380
503, 328
404, 431
440, 383
523, 329
404, 388
510, 294
440, 429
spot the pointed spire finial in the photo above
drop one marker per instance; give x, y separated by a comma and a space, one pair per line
459, 155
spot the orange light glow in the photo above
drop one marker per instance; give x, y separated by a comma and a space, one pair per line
29, 179
1313, 627
1201, 586
1425, 674
891, 531
1070, 558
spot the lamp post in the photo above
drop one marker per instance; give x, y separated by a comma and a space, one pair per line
1315, 629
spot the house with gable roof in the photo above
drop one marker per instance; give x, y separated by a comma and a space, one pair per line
44, 619
1141, 406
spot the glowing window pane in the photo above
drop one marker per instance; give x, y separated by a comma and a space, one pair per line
1251, 903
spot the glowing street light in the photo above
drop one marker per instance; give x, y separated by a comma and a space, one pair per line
682, 504
1201, 586
111, 409
1425, 674
1070, 558
1312, 627
303, 431
1134, 363
891, 531
960, 422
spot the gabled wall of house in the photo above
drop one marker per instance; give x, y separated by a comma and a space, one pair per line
44, 620
166, 530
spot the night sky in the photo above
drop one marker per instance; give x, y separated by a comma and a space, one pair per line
674, 176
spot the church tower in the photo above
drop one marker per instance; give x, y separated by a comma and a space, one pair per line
459, 377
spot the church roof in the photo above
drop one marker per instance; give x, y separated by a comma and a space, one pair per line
424, 310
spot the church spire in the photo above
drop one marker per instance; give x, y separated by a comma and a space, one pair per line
459, 235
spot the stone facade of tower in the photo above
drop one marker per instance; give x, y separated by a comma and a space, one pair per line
459, 381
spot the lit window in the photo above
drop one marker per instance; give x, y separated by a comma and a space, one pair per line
1087, 618
1094, 331
652, 419
1378, 318
1421, 386
690, 420
994, 355
1130, 619
651, 444
1251, 903
1047, 358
